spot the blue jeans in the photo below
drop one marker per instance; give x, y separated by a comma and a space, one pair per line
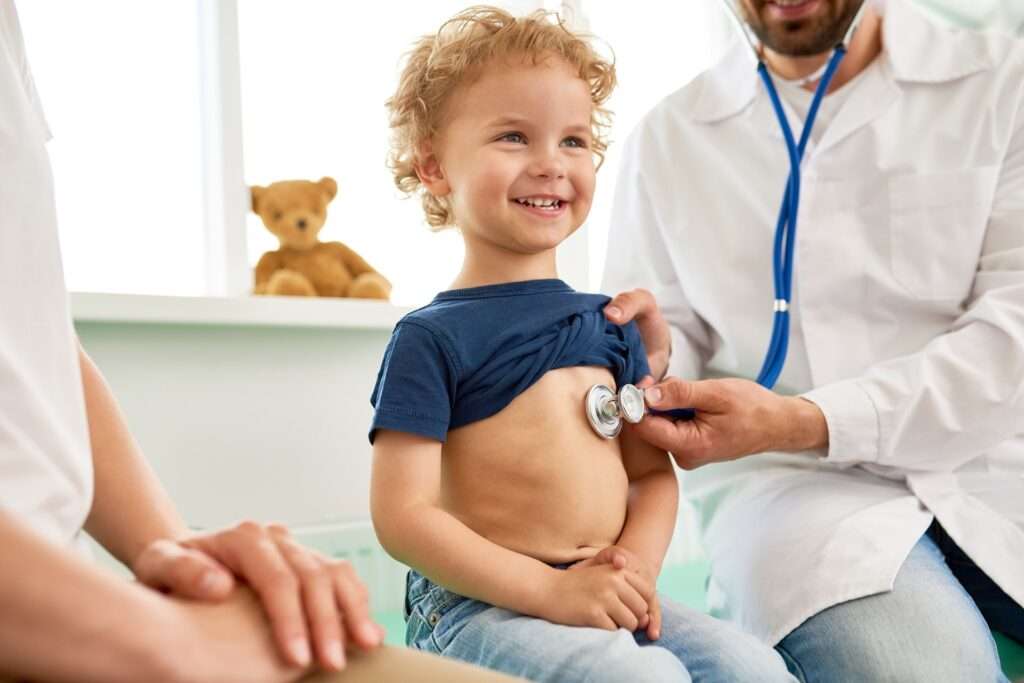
692, 647
933, 626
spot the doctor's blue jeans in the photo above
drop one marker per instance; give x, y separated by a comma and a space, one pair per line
693, 646
933, 627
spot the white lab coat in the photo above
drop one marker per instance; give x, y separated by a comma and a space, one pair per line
46, 475
907, 319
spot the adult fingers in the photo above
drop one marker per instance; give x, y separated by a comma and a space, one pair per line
167, 566
707, 396
250, 552
639, 305
354, 602
322, 615
679, 438
630, 305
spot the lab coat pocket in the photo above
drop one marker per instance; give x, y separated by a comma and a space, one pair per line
937, 226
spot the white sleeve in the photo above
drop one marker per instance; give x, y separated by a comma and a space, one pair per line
963, 393
11, 39
638, 256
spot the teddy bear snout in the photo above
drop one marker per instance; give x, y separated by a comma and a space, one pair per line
301, 223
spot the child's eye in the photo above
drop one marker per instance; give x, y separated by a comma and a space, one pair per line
574, 142
517, 138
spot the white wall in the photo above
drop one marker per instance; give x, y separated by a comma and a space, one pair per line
247, 421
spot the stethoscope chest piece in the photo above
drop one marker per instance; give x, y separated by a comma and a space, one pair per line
606, 410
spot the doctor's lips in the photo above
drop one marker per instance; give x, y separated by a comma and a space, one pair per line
790, 10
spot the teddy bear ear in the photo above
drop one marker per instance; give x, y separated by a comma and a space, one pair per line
255, 192
329, 186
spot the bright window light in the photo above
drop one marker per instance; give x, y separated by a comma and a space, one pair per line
119, 85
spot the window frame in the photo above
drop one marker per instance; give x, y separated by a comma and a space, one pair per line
225, 193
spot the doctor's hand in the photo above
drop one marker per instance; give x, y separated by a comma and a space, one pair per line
623, 558
639, 305
734, 418
314, 604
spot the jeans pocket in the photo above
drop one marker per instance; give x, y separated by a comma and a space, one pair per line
433, 614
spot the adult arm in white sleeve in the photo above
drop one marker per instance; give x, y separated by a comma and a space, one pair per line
963, 393
638, 256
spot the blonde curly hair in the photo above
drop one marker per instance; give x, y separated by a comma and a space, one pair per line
439, 63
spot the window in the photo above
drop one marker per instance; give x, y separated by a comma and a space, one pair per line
119, 85
315, 75
314, 78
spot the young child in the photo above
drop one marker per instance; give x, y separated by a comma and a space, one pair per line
534, 543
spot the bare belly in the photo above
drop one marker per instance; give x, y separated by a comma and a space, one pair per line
535, 478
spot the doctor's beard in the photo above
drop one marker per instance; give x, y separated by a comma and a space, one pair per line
817, 33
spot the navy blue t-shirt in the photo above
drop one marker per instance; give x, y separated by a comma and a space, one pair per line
469, 352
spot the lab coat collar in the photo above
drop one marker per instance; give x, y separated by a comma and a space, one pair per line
909, 39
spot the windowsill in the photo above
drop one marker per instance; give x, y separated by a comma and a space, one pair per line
89, 307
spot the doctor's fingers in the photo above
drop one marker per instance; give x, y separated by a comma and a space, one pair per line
689, 441
706, 396
165, 565
640, 305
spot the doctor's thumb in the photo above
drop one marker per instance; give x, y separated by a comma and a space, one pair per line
670, 393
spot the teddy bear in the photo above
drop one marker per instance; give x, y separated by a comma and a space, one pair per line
295, 211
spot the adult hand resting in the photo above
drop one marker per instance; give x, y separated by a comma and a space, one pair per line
734, 417
297, 587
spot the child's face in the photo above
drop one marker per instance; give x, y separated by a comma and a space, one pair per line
514, 156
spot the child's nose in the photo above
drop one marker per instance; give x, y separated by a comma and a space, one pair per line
548, 165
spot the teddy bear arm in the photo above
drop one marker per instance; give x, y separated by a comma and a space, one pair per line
355, 263
265, 267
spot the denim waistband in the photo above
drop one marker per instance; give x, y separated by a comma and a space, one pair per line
417, 585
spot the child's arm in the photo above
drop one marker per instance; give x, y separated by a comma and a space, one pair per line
650, 519
653, 501
416, 530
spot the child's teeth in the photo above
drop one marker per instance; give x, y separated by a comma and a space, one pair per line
540, 203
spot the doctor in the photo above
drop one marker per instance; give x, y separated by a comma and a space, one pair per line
867, 518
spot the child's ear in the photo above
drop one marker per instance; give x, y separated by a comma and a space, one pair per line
428, 169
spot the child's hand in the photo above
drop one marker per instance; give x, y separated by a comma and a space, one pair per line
601, 596
622, 558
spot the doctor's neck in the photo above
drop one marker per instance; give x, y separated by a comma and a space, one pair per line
864, 47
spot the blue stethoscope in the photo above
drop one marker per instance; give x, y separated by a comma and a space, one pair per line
606, 410
785, 227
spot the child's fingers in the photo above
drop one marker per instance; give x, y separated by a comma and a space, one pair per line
654, 625
624, 614
635, 602
642, 586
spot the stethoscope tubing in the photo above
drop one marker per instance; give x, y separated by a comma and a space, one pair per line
785, 231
